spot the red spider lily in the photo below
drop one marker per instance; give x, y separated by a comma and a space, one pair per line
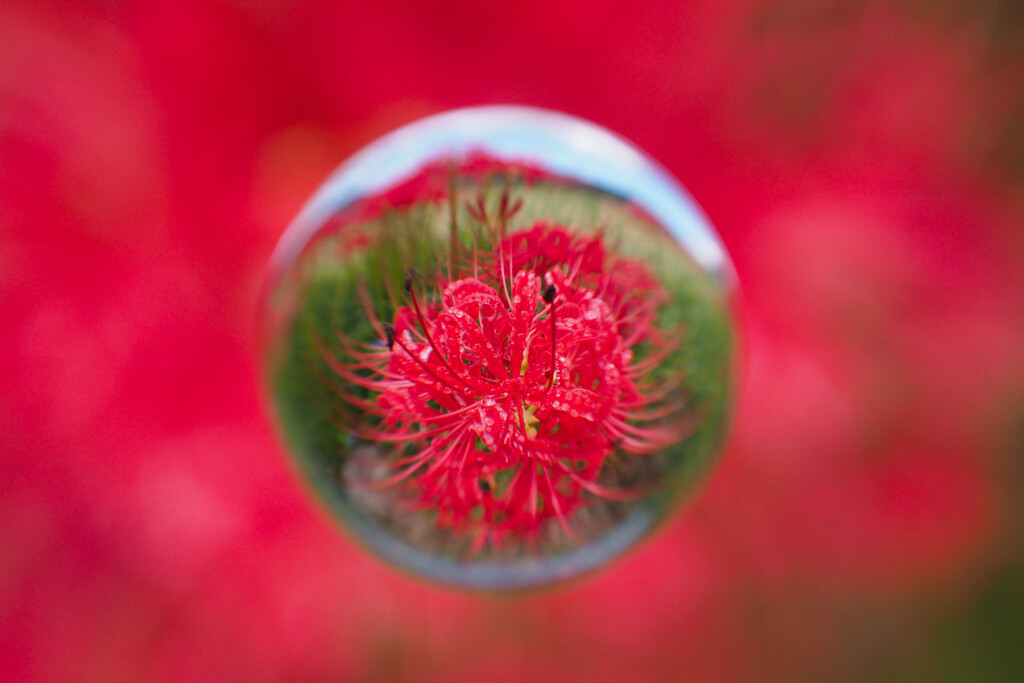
507, 395
432, 182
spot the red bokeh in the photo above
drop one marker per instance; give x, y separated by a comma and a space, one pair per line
862, 162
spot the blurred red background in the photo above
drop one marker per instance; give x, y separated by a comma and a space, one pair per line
864, 162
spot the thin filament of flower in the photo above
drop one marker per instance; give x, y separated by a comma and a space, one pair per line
430, 338
549, 297
400, 342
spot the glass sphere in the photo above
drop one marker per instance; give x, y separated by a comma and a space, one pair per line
499, 347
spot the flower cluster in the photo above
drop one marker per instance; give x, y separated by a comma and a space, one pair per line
508, 394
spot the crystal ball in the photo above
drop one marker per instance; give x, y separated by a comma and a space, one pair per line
498, 345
